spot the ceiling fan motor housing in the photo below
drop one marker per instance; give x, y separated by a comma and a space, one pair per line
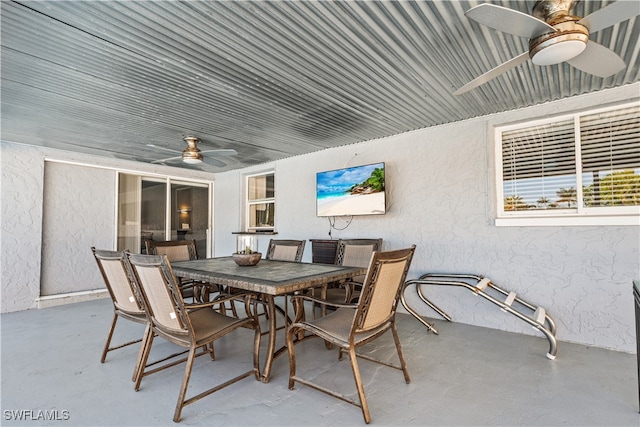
567, 41
191, 154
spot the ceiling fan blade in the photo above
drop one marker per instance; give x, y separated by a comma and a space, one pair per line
610, 15
170, 159
502, 68
221, 152
598, 60
213, 162
508, 20
163, 148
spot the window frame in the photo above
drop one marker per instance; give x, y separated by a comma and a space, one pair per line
248, 203
581, 215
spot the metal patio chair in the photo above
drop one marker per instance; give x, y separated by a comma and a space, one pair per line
127, 302
193, 327
352, 253
183, 250
285, 250
350, 327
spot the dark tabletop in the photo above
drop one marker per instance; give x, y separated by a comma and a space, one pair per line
267, 277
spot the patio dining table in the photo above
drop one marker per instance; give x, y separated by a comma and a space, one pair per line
269, 278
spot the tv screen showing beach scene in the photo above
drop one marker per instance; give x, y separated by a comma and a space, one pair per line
358, 190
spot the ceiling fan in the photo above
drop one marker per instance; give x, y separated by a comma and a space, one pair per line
555, 36
192, 155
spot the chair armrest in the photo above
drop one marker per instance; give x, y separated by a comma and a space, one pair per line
298, 304
322, 301
221, 299
189, 283
224, 297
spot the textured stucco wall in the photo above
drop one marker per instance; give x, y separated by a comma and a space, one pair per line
76, 213
442, 198
21, 238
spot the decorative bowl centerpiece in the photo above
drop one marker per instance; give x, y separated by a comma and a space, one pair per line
246, 259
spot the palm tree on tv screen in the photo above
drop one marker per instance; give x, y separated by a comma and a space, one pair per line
376, 180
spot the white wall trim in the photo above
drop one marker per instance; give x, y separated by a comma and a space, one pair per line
71, 297
118, 169
568, 221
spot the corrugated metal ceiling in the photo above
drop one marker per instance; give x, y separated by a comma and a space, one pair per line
269, 79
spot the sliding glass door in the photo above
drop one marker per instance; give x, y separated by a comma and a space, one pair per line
190, 214
162, 209
153, 211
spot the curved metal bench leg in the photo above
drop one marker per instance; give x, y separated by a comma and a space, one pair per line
550, 334
413, 312
432, 305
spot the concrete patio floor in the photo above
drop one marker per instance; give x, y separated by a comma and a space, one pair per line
466, 376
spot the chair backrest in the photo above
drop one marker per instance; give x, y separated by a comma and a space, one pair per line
356, 252
161, 295
117, 278
175, 250
285, 250
381, 289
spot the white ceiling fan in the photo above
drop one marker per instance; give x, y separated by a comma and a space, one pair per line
193, 155
555, 36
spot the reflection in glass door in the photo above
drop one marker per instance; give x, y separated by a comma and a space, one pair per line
128, 213
153, 216
190, 214
148, 211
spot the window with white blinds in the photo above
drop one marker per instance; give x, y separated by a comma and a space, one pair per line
610, 147
260, 215
582, 164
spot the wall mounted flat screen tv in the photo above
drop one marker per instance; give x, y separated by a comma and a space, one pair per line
358, 190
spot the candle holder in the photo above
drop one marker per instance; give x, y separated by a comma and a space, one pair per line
246, 244
246, 250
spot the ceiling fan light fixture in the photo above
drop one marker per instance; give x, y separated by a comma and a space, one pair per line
192, 160
569, 41
558, 52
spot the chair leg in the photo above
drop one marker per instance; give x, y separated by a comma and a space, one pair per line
147, 343
232, 306
356, 375
209, 349
185, 384
292, 356
108, 343
265, 311
222, 308
137, 370
257, 335
300, 316
403, 364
